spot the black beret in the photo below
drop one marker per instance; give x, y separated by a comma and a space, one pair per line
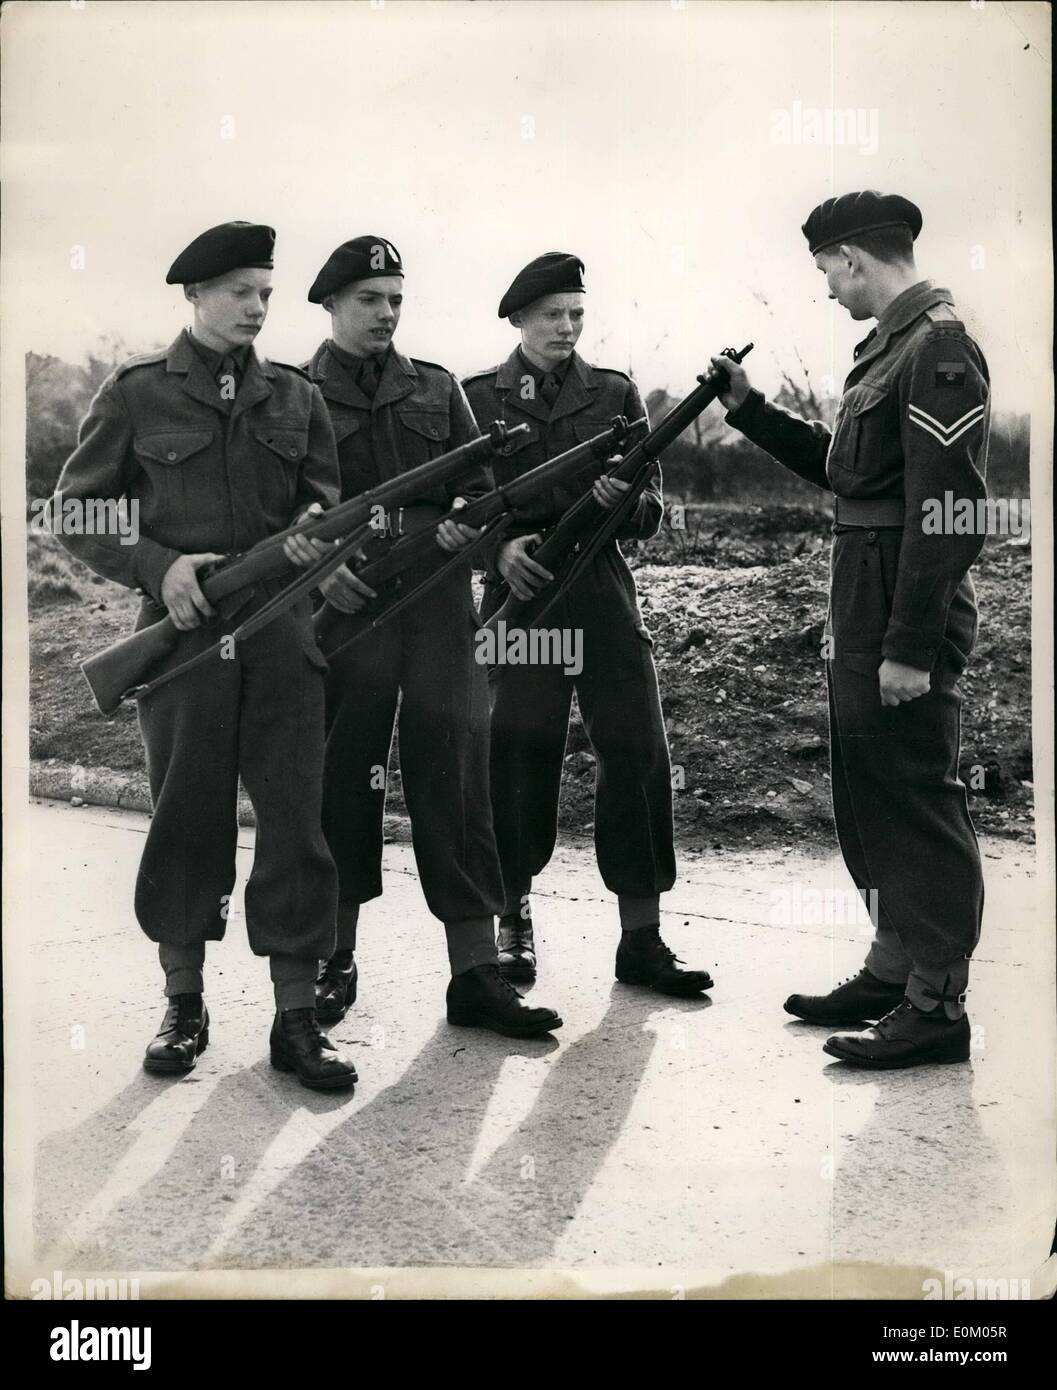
230, 246
554, 273
362, 258
839, 219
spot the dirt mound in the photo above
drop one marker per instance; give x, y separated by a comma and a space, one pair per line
741, 676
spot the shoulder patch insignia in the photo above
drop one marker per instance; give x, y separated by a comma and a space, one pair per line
946, 434
950, 374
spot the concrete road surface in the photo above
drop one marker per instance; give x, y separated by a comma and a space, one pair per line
651, 1145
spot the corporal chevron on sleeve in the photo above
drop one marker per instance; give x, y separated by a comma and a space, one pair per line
946, 434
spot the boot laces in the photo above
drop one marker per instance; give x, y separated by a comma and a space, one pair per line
504, 986
305, 1021
893, 1015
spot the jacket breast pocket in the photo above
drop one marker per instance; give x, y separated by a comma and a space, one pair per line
595, 465
426, 433
281, 449
168, 459
344, 426
857, 430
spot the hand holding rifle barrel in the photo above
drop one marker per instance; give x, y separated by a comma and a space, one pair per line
597, 517
306, 554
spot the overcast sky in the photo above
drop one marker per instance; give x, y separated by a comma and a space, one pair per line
668, 145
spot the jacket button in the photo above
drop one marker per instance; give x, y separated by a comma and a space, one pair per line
507, 449
171, 455
293, 453
433, 431
871, 535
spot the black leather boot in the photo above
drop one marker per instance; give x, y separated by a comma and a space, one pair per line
298, 1044
517, 949
183, 1036
481, 998
906, 1037
644, 959
336, 987
862, 998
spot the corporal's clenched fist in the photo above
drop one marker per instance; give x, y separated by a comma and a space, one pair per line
739, 384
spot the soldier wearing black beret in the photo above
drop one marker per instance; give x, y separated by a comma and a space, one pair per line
545, 384
391, 413
219, 449
912, 425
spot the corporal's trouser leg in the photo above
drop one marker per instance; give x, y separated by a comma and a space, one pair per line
886, 959
909, 810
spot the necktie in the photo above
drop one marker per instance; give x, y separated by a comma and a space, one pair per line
369, 377
550, 388
228, 378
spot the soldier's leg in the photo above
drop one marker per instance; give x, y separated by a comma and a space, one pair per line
187, 872
881, 984
634, 834
190, 736
529, 729
921, 850
444, 758
291, 894
901, 768
621, 709
362, 690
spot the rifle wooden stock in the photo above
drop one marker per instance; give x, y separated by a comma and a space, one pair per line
335, 630
558, 550
129, 667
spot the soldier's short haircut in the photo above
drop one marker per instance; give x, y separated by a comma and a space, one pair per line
889, 244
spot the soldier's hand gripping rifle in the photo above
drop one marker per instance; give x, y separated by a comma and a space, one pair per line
587, 526
335, 630
136, 666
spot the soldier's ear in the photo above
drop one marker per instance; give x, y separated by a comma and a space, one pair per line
191, 293
328, 303
515, 318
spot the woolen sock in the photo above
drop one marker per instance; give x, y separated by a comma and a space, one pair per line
517, 905
638, 912
471, 943
294, 979
348, 916
183, 968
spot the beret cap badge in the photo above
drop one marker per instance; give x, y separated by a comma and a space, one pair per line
362, 258
555, 272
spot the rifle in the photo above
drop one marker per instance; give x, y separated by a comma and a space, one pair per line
336, 631
581, 532
129, 668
